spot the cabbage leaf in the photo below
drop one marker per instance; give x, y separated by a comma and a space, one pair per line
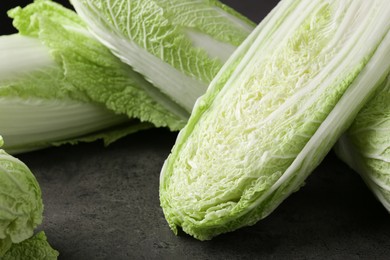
272, 113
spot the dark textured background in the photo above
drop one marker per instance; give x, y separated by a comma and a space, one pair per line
102, 203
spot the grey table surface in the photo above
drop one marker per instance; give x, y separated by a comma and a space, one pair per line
102, 203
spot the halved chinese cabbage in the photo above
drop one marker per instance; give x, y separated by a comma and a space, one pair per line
273, 112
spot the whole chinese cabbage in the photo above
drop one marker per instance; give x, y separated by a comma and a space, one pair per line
273, 112
35, 247
58, 84
21, 204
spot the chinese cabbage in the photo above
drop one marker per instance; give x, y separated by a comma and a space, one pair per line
273, 112
58, 83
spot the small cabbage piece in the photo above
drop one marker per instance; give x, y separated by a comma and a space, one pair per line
273, 112
178, 45
21, 206
35, 247
365, 147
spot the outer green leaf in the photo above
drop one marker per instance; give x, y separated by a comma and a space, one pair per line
365, 147
21, 205
36, 248
273, 112
177, 45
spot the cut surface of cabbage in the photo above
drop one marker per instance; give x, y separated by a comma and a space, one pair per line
273, 112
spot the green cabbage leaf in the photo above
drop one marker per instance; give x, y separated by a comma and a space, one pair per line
273, 112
